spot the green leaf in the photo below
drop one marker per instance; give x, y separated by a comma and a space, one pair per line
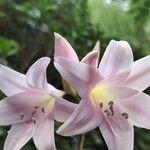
8, 47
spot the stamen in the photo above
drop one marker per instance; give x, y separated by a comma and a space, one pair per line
43, 110
34, 113
125, 115
21, 116
34, 120
100, 105
112, 112
36, 107
111, 107
111, 103
107, 112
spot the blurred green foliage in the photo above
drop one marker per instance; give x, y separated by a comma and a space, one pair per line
8, 47
26, 34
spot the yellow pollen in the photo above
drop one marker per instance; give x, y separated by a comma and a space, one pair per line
100, 94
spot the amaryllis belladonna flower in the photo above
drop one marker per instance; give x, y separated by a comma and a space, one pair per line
112, 97
31, 107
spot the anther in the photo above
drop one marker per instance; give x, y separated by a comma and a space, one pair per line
111, 103
101, 105
107, 112
125, 115
112, 112
111, 107
36, 107
21, 116
43, 110
34, 113
33, 119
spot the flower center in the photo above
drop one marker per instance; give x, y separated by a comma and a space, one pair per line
100, 94
39, 111
101, 97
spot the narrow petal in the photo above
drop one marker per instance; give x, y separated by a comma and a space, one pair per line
63, 48
44, 135
36, 75
18, 136
11, 81
80, 75
138, 109
83, 119
117, 135
92, 57
63, 109
12, 108
118, 58
139, 77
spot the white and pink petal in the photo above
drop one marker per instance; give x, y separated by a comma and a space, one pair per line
11, 81
139, 77
92, 58
63, 109
36, 75
18, 108
138, 110
117, 59
83, 119
44, 135
18, 136
117, 135
63, 48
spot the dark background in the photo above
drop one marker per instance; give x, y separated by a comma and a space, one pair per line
26, 34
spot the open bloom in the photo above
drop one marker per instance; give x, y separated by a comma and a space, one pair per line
112, 97
31, 107
64, 49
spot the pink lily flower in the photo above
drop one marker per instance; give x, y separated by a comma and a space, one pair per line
64, 49
31, 107
112, 97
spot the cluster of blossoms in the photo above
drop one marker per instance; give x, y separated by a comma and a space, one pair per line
111, 97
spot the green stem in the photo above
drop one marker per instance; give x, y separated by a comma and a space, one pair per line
77, 142
74, 142
81, 142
